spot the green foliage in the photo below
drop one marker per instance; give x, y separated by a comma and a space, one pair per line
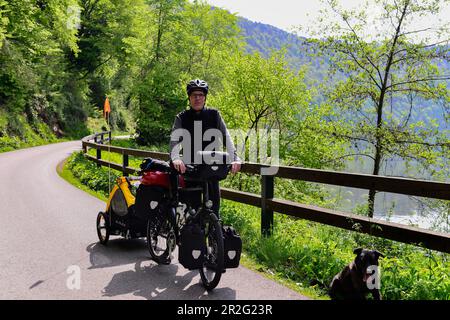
16, 133
160, 100
386, 72
3, 22
60, 58
308, 253
260, 93
191, 41
97, 179
33, 70
311, 254
385, 83
204, 39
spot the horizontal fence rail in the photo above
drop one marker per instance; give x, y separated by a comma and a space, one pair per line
412, 187
421, 237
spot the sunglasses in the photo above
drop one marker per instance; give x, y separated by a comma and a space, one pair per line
199, 95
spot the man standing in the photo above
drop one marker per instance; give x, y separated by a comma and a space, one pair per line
195, 122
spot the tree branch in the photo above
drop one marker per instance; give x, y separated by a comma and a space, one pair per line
358, 40
428, 144
348, 155
415, 31
95, 68
423, 47
444, 77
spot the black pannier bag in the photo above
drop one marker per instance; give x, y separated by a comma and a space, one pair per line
154, 164
213, 172
192, 249
232, 245
215, 165
148, 201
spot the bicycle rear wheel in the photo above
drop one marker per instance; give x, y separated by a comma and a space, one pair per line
161, 239
211, 272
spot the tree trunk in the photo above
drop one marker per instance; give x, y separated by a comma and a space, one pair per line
160, 31
378, 148
375, 172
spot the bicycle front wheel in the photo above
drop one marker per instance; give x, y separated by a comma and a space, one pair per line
213, 265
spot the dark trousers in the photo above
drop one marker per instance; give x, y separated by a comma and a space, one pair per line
214, 193
214, 196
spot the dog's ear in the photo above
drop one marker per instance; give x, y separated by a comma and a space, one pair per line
379, 254
358, 251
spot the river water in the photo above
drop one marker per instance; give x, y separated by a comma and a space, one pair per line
392, 207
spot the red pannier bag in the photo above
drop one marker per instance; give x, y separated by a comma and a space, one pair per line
158, 178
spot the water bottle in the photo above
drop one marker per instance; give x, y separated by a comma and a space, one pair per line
181, 213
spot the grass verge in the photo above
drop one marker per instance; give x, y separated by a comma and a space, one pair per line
64, 170
305, 256
65, 173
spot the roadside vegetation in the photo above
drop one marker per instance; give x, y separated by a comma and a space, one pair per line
306, 255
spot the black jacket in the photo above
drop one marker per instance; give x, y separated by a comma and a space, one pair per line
191, 121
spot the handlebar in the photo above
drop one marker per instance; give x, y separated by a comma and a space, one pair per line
213, 170
194, 168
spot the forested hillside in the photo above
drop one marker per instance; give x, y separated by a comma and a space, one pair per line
334, 98
60, 61
300, 53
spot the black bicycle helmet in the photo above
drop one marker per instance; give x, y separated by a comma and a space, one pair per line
197, 84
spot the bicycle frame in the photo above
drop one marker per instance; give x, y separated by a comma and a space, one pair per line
200, 212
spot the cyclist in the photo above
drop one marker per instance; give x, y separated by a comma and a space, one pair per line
194, 139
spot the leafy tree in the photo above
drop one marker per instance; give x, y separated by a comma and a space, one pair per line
113, 40
205, 37
383, 84
33, 37
3, 22
260, 93
190, 41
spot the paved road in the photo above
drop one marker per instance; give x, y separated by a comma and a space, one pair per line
48, 237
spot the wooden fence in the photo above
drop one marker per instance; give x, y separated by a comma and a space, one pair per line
425, 238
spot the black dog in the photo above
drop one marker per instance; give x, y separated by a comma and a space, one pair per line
357, 279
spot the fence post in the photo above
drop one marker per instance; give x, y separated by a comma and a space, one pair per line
99, 152
125, 164
267, 187
109, 136
102, 137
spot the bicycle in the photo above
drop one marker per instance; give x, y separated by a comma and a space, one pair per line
165, 229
